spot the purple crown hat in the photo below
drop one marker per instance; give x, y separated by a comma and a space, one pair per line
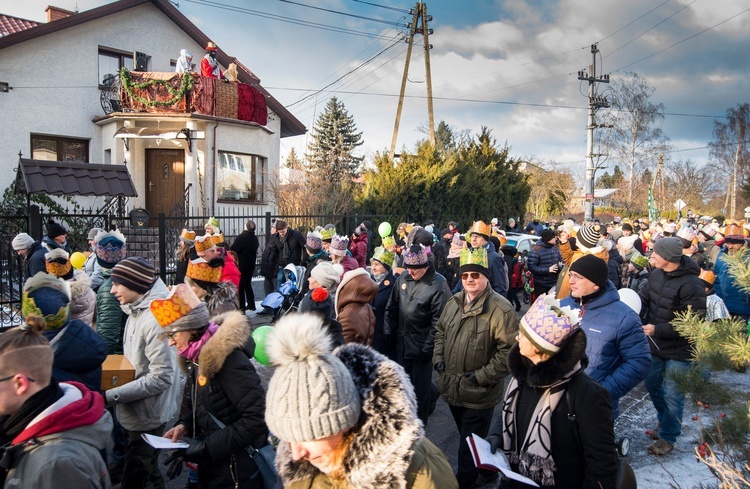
415, 257
546, 324
339, 245
110, 248
314, 241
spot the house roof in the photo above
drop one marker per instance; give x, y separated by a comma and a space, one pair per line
11, 25
73, 178
290, 125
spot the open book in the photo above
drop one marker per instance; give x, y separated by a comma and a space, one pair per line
483, 457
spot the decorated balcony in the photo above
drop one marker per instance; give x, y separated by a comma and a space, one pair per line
183, 93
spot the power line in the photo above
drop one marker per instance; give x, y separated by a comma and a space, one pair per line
403, 11
340, 13
634, 21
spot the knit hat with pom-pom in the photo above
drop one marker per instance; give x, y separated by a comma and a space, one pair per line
311, 394
318, 301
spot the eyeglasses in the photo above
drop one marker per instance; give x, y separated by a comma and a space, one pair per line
473, 275
30, 379
172, 335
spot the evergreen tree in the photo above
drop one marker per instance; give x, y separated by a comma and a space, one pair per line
293, 161
334, 140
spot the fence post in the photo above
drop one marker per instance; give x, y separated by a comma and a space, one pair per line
35, 222
163, 246
268, 226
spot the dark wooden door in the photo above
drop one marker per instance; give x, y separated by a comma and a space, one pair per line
165, 179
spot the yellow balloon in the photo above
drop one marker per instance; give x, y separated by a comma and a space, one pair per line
77, 259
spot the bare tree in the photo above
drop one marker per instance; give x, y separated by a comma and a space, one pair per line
687, 181
729, 152
552, 190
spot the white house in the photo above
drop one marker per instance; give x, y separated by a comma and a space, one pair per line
53, 79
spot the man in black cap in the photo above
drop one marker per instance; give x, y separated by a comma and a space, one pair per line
619, 356
673, 286
57, 237
545, 262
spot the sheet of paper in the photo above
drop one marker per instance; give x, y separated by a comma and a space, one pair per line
162, 443
485, 456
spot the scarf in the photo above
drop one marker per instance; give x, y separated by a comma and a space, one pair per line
11, 426
194, 349
533, 455
380, 277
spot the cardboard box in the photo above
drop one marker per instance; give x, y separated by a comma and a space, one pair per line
116, 371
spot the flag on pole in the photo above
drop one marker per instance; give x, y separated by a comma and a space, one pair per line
653, 213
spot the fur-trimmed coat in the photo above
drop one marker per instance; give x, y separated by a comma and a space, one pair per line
222, 299
83, 298
353, 309
592, 464
225, 383
388, 448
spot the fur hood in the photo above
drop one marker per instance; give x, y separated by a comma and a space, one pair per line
223, 299
234, 333
387, 432
550, 371
79, 283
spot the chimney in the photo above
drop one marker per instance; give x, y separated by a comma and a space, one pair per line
57, 13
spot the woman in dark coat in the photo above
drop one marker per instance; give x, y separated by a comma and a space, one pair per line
380, 264
535, 431
221, 382
246, 247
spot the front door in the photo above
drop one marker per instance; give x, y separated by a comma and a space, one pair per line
165, 180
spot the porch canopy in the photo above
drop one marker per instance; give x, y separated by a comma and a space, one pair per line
73, 178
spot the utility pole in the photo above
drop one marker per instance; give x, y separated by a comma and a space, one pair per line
418, 25
595, 102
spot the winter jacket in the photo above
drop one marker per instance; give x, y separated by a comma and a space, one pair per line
36, 262
358, 249
79, 354
665, 294
388, 446
592, 464
385, 288
617, 348
110, 318
312, 262
353, 309
541, 258
83, 298
268, 263
94, 271
290, 250
151, 399
246, 246
348, 264
224, 383
534, 227
50, 244
570, 255
230, 272
637, 281
474, 339
222, 298
63, 448
614, 266
737, 301
412, 312
451, 274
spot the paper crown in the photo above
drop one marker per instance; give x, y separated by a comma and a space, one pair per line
733, 231
110, 248
314, 241
479, 227
58, 262
187, 236
339, 244
707, 276
546, 324
174, 312
327, 234
415, 257
388, 241
203, 243
474, 257
384, 256
47, 296
199, 269
639, 260
217, 238
688, 234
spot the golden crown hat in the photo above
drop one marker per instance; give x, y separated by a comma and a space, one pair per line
707, 276
217, 238
479, 227
203, 243
389, 241
733, 231
180, 301
327, 234
474, 257
199, 269
187, 236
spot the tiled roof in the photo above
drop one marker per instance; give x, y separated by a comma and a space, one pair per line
69, 178
11, 25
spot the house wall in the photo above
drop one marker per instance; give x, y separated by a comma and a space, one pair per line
55, 91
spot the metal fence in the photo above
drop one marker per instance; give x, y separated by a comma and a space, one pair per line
157, 242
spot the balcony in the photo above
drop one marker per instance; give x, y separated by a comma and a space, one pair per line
183, 93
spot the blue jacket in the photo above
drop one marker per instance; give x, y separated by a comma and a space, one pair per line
618, 351
541, 257
79, 354
726, 287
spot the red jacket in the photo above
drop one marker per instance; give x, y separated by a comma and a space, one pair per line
230, 272
358, 249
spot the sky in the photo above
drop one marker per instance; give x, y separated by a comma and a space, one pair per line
509, 65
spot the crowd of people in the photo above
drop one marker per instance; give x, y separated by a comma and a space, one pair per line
353, 362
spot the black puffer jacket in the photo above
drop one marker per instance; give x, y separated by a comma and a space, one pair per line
665, 294
378, 307
542, 257
413, 311
226, 385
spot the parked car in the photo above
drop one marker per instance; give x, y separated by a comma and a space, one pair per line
522, 242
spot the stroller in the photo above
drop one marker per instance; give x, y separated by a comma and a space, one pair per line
289, 295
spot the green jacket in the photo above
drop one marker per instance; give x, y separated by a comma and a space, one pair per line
474, 339
110, 318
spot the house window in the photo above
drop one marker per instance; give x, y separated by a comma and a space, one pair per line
240, 177
111, 62
55, 148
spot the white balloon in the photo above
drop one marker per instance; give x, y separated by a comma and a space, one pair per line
630, 297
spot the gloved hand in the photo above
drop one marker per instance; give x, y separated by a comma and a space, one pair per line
196, 452
439, 367
496, 441
174, 463
471, 376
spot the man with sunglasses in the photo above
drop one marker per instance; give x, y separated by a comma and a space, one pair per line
474, 334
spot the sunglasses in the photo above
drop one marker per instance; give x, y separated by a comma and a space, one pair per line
473, 275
